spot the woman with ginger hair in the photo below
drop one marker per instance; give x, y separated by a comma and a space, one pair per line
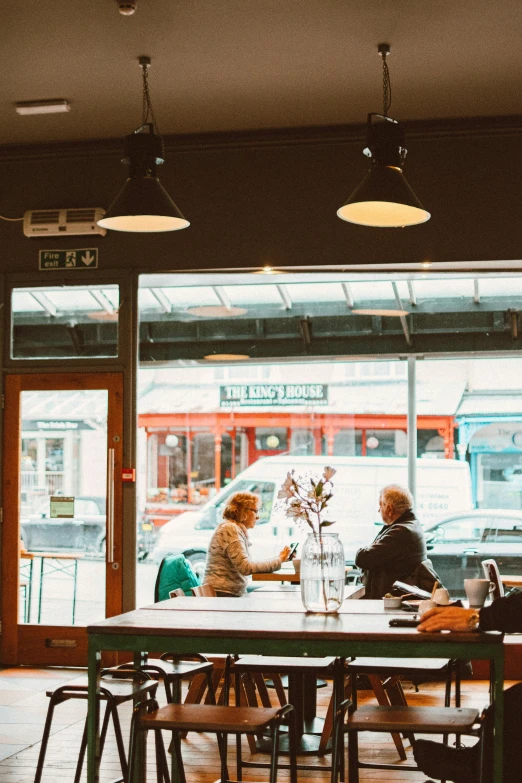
228, 563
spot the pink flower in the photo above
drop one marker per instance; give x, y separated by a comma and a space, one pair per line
329, 473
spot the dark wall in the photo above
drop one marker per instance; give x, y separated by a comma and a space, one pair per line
271, 198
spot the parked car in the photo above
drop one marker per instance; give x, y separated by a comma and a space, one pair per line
85, 532
458, 544
443, 486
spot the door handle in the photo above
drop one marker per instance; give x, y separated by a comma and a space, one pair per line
470, 552
109, 536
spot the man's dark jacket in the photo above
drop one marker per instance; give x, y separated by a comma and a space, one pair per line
397, 550
504, 614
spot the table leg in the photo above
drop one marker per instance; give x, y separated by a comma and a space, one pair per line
93, 716
30, 591
140, 658
40, 590
497, 697
74, 590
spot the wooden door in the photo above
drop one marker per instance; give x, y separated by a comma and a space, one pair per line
62, 513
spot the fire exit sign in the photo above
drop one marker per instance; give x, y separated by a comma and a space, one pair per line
85, 258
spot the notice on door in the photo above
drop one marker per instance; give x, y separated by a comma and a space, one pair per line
61, 507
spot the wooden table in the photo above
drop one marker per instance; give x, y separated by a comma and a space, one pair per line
51, 563
285, 633
284, 575
511, 581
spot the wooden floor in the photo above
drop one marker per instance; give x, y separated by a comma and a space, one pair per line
23, 706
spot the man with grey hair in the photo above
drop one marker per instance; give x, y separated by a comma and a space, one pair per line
398, 548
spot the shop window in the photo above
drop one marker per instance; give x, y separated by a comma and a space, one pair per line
271, 439
65, 322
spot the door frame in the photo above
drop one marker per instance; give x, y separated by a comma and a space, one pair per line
31, 644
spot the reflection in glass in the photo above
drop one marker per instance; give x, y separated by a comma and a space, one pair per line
63, 453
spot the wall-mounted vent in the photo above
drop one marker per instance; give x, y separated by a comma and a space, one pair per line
56, 222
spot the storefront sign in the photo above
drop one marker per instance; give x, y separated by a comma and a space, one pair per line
504, 436
273, 394
55, 424
61, 507
85, 258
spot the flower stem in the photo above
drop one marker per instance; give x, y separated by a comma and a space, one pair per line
323, 583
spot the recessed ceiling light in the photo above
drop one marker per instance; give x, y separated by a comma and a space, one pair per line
268, 270
226, 357
216, 311
58, 106
381, 312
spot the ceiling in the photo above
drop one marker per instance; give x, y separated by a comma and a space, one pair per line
234, 65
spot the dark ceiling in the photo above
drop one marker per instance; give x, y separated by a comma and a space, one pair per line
226, 65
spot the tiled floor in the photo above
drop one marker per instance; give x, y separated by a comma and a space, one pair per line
23, 705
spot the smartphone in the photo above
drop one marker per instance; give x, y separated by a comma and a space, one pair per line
404, 622
293, 549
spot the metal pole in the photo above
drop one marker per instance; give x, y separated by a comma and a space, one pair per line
412, 426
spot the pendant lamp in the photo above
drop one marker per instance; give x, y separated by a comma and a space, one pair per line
143, 204
384, 199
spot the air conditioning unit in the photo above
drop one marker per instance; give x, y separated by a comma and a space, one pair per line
63, 222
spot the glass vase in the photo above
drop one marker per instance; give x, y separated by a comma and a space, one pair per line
323, 573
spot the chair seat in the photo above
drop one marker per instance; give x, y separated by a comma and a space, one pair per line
427, 720
177, 668
122, 690
270, 663
397, 665
209, 717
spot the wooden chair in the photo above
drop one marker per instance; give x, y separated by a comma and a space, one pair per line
251, 670
172, 669
492, 573
116, 688
203, 590
406, 720
177, 593
385, 675
219, 719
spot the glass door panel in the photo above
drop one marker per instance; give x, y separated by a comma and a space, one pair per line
64, 455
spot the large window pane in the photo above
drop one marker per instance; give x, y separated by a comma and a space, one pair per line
70, 322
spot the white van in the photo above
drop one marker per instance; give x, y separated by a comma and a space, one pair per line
443, 487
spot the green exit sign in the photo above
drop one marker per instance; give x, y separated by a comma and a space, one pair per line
85, 258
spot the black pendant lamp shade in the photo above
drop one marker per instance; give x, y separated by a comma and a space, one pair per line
384, 198
143, 204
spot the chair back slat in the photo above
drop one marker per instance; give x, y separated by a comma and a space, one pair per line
492, 573
204, 590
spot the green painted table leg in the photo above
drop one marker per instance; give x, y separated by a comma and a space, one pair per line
93, 716
497, 665
140, 658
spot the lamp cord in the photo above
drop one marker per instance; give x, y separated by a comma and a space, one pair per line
147, 103
10, 220
386, 86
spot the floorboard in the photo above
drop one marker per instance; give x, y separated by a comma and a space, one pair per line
23, 705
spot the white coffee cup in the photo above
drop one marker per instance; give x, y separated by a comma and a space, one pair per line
477, 591
441, 596
297, 565
425, 606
